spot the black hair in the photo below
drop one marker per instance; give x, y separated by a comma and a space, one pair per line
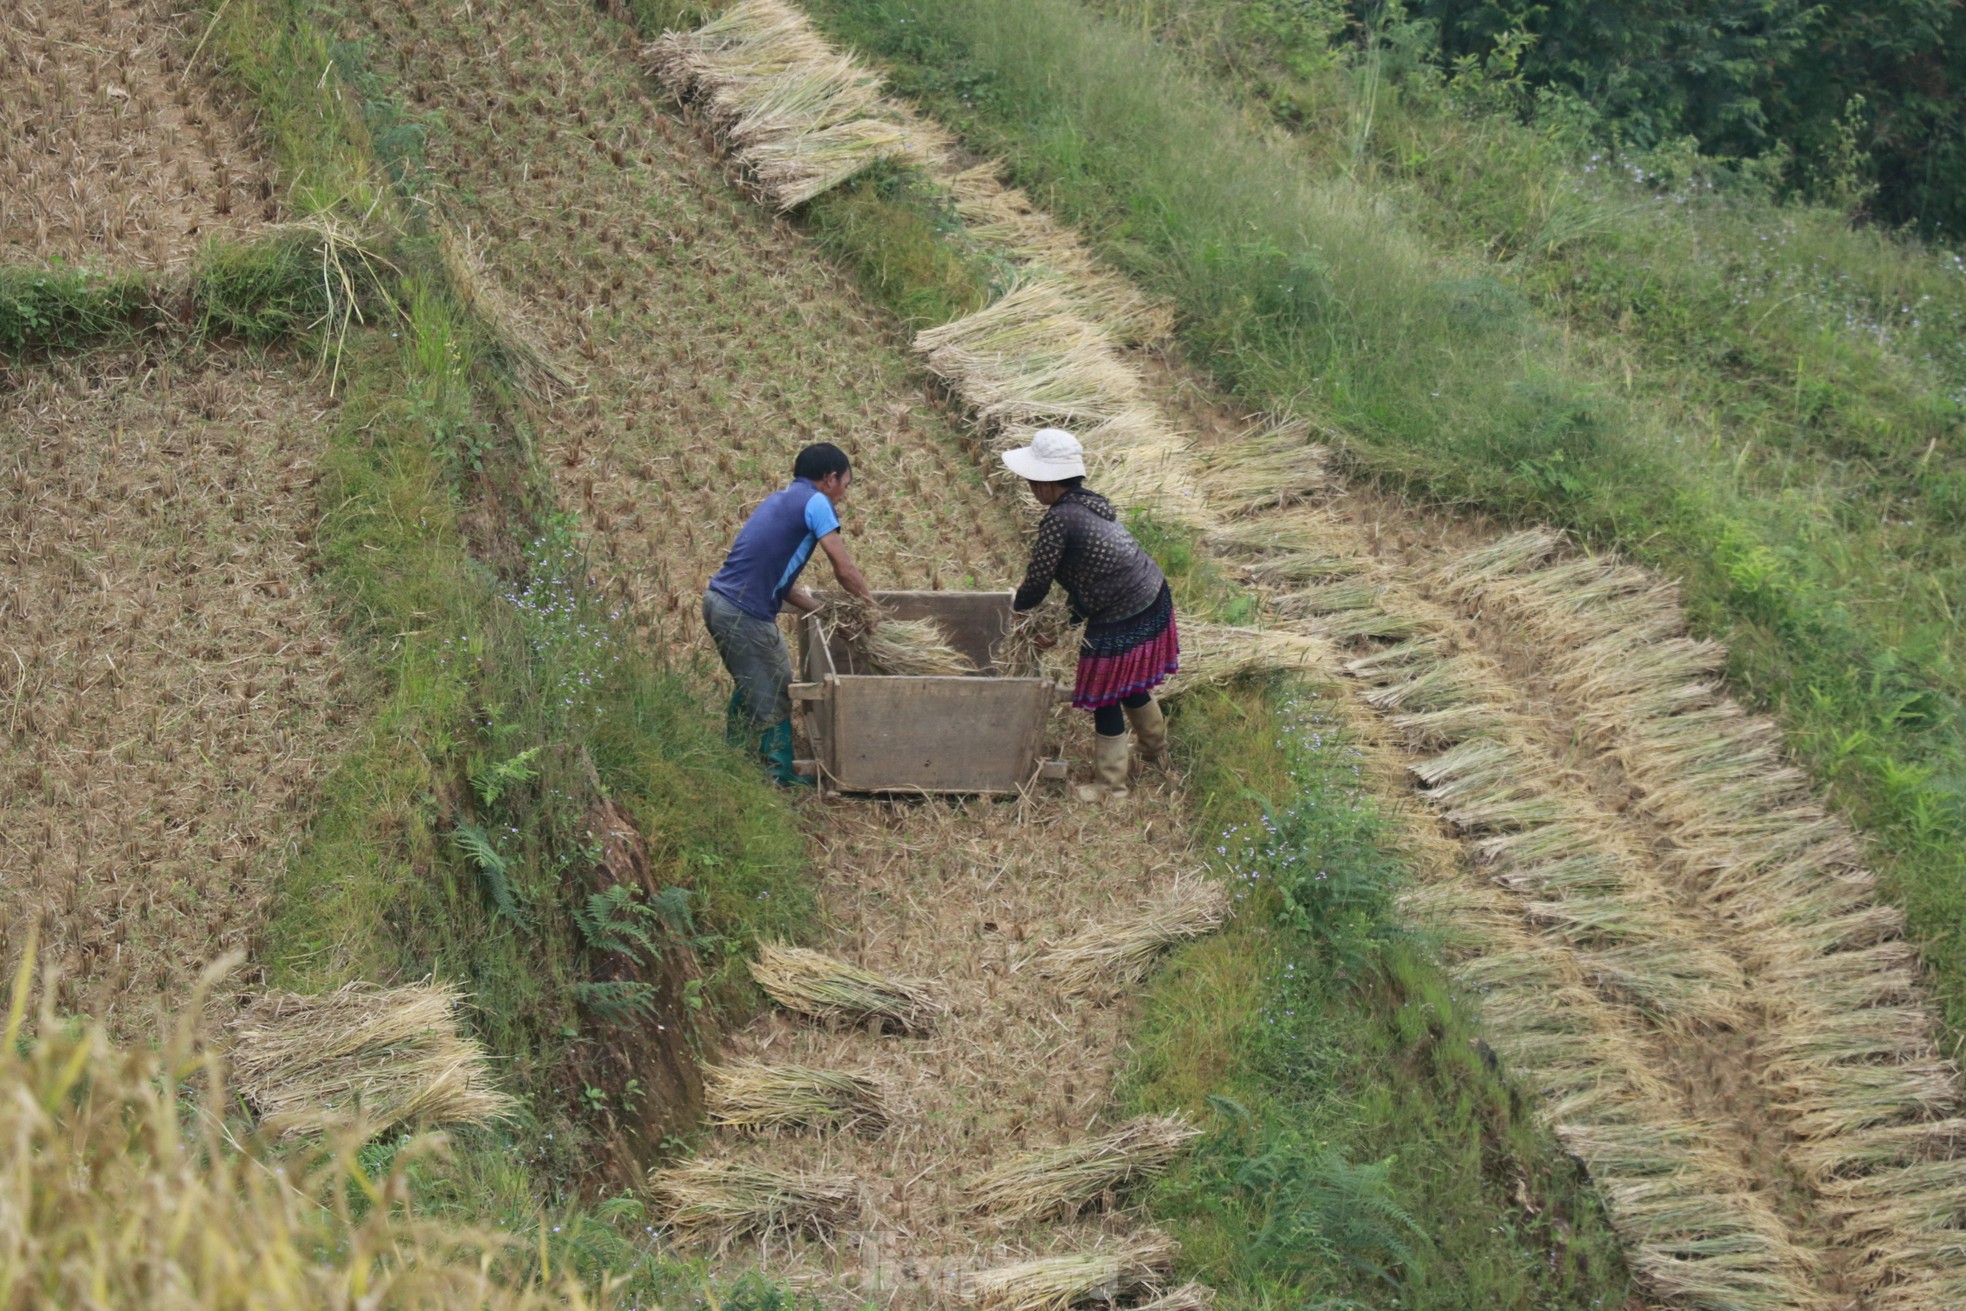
1071, 484
820, 460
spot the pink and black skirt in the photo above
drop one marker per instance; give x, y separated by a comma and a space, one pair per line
1130, 655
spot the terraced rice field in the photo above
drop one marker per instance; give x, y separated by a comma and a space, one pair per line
710, 343
112, 143
173, 678
1678, 946
708, 340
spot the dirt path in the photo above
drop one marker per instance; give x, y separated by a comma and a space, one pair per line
170, 677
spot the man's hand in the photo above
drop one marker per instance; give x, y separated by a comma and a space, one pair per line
845, 569
803, 601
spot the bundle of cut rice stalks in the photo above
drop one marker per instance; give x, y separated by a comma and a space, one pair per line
480, 296
1036, 643
1273, 465
1156, 473
1188, 1297
884, 645
1029, 356
756, 39
726, 1199
1054, 1283
366, 1054
800, 116
818, 985
1007, 220
1064, 1180
1219, 653
752, 1095
1119, 951
790, 169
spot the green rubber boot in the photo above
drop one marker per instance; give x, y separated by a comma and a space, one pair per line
737, 723
775, 745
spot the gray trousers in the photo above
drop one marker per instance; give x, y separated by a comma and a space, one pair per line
754, 652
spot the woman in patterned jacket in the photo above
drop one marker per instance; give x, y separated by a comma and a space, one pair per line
1114, 586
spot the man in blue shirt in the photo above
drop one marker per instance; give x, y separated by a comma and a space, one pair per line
760, 577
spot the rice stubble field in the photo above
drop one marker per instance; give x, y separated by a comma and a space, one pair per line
113, 145
175, 677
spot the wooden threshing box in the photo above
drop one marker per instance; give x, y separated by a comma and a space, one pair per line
893, 733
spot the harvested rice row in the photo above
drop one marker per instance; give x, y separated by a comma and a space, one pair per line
1543, 841
801, 117
1850, 1054
1695, 1229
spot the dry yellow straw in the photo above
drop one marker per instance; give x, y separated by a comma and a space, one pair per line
378, 1055
728, 1198
1120, 950
1063, 1180
759, 1096
1054, 1283
825, 988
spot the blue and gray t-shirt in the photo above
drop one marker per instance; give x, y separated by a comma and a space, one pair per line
772, 547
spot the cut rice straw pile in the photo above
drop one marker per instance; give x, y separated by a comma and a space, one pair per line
801, 117
1006, 219
363, 1054
728, 1199
1019, 653
1030, 357
1120, 951
1188, 1297
1273, 465
1054, 1283
906, 647
1220, 653
758, 1096
530, 359
1064, 1180
818, 985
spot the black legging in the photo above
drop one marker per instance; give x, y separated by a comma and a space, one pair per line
1110, 721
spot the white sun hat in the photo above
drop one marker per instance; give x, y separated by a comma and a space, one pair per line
1053, 456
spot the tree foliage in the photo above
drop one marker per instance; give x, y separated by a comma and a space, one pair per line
1859, 103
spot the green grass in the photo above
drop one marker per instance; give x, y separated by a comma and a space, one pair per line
1827, 559
64, 307
1359, 1149
458, 836
905, 246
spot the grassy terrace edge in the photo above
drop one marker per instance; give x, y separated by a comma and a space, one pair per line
1201, 204
458, 834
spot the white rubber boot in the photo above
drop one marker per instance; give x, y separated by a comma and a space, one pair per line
1111, 758
1150, 730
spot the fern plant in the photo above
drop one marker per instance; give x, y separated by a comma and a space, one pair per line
500, 776
493, 869
1318, 1207
614, 920
617, 1000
